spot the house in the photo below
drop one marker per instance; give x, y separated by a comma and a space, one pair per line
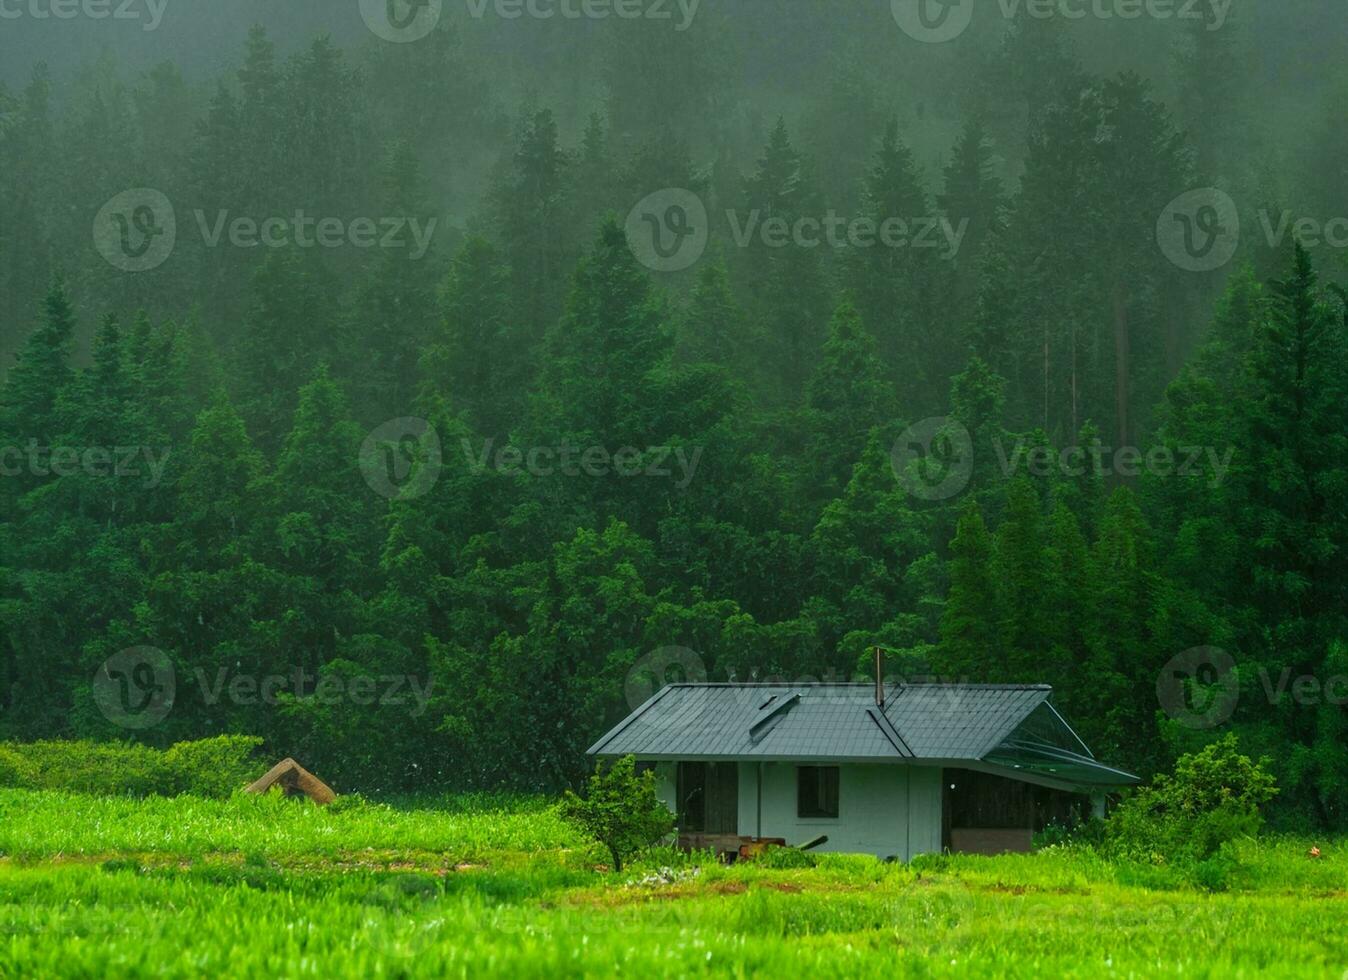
893, 771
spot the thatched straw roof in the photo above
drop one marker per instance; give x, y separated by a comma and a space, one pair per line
294, 780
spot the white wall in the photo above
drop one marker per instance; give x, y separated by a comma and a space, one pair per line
882, 810
666, 784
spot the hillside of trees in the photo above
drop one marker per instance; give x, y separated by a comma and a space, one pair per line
1157, 458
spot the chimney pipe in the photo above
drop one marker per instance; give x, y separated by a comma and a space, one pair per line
879, 678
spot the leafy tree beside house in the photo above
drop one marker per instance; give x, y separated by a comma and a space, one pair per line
620, 810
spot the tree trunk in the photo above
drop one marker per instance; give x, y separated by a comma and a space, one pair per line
1122, 355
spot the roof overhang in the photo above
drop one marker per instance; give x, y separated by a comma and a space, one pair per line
1021, 735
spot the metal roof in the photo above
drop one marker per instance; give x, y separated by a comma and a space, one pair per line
935, 723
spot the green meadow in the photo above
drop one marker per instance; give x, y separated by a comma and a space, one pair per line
499, 886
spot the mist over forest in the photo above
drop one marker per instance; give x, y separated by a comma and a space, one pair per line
526, 351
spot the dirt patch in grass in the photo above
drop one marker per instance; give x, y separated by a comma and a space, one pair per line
1004, 889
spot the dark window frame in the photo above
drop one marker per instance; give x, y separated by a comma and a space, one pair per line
818, 792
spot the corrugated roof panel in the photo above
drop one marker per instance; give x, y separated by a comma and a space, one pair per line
829, 721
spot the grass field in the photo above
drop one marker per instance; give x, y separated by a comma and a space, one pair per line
479, 886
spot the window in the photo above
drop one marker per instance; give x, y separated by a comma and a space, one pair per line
818, 792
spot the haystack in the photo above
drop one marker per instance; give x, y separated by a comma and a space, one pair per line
294, 780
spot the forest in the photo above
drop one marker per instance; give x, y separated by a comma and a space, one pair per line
417, 406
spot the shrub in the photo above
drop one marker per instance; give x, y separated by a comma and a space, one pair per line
98, 768
1215, 796
14, 769
620, 810
1087, 833
212, 767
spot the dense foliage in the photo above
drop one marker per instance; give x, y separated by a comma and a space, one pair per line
1214, 797
476, 604
212, 768
620, 810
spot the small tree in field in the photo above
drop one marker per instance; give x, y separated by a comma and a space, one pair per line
1215, 796
620, 810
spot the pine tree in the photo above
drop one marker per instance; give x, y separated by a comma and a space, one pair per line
971, 642
848, 396
896, 285
40, 373
786, 285
393, 315
1123, 655
482, 363
1021, 568
532, 206
973, 193
217, 501
612, 336
713, 328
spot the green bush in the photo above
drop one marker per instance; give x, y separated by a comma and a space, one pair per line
621, 810
213, 767
14, 769
98, 768
1088, 833
1215, 796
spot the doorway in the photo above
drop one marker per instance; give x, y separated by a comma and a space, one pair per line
709, 797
